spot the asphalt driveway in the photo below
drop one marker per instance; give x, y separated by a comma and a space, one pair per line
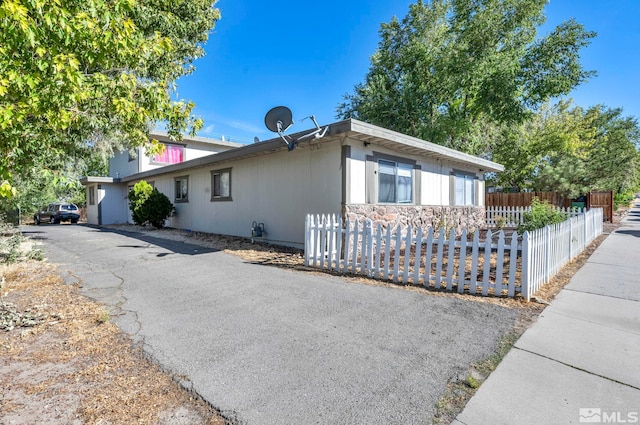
266, 345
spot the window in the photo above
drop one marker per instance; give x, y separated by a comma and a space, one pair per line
464, 189
182, 189
173, 154
92, 195
221, 185
395, 182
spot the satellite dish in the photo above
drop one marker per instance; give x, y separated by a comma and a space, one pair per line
280, 118
256, 140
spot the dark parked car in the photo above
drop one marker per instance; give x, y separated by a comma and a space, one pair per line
58, 212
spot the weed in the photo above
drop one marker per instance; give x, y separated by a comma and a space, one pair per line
103, 316
12, 244
460, 391
35, 254
472, 382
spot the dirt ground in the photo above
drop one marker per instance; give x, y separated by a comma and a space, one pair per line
63, 362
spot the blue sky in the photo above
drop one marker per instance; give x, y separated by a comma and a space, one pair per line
265, 54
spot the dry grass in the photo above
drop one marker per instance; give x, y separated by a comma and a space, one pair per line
76, 367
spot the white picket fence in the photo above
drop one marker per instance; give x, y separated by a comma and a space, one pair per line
548, 249
511, 217
496, 264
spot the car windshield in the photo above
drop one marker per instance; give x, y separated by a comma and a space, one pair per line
69, 207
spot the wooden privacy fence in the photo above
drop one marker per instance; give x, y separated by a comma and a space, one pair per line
594, 199
488, 264
513, 216
602, 200
523, 199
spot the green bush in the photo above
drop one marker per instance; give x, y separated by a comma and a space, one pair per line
147, 205
622, 199
542, 214
137, 197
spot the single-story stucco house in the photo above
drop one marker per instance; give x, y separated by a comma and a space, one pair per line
356, 169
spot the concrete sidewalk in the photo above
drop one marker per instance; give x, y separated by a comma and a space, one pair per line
580, 362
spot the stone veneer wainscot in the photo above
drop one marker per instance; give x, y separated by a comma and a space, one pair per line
470, 217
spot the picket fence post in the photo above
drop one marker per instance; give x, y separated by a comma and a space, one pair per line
407, 255
418, 256
369, 235
526, 267
307, 239
462, 263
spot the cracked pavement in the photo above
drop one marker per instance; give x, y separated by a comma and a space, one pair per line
266, 345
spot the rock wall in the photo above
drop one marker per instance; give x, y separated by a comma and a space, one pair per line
470, 217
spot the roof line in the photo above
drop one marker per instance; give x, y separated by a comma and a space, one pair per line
337, 128
200, 139
394, 136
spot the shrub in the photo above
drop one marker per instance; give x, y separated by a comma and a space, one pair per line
622, 199
148, 205
542, 214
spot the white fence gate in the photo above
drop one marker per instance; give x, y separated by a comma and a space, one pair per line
498, 264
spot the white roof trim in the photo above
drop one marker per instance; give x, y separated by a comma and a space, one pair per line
414, 142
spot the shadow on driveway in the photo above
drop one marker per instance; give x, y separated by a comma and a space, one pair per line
176, 247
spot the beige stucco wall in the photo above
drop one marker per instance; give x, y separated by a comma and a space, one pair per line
278, 189
92, 210
110, 201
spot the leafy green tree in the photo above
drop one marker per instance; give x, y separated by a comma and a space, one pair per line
567, 149
79, 76
552, 133
607, 158
148, 205
41, 186
614, 160
450, 68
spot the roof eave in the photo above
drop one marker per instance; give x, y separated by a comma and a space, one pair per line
345, 127
413, 142
98, 179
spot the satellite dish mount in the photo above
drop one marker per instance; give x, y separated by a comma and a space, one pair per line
280, 119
